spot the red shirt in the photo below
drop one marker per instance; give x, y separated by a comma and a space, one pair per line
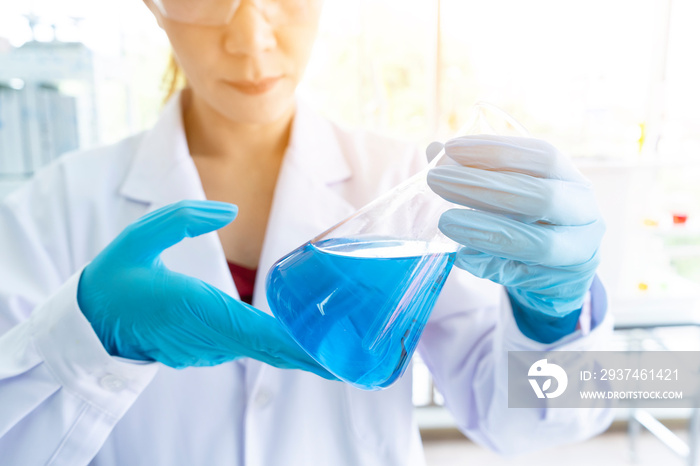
244, 278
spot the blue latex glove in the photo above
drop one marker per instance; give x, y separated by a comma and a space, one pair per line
533, 226
142, 310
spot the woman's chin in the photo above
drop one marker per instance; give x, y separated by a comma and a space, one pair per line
254, 109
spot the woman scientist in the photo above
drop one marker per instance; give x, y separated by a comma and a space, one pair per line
98, 283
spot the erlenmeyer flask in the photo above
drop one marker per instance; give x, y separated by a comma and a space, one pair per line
357, 297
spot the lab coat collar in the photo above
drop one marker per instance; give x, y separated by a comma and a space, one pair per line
163, 171
156, 174
314, 144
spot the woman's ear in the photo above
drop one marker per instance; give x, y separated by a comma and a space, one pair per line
156, 13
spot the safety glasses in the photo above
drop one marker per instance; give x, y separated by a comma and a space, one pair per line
220, 12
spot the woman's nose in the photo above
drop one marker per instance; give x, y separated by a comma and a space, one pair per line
249, 32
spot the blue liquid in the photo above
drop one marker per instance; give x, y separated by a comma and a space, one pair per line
358, 307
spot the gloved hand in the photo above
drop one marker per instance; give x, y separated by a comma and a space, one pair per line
142, 310
533, 226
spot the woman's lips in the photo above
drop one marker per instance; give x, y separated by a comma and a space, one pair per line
255, 87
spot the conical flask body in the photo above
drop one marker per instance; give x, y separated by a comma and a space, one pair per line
358, 307
357, 297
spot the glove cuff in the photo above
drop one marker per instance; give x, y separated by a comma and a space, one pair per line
542, 326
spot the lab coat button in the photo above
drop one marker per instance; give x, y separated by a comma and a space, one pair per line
112, 383
262, 399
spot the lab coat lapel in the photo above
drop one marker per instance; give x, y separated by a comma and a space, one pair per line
163, 172
306, 200
306, 203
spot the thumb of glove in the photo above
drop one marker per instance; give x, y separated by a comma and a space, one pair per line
144, 240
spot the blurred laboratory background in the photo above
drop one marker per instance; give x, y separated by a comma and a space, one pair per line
612, 83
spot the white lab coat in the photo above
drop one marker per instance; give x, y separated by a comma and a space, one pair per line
65, 401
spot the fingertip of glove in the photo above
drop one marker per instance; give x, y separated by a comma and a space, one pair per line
232, 210
433, 150
224, 210
223, 206
203, 206
447, 224
441, 177
433, 178
472, 140
449, 217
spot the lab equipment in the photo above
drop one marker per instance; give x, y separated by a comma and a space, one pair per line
142, 310
358, 296
47, 104
532, 224
358, 306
